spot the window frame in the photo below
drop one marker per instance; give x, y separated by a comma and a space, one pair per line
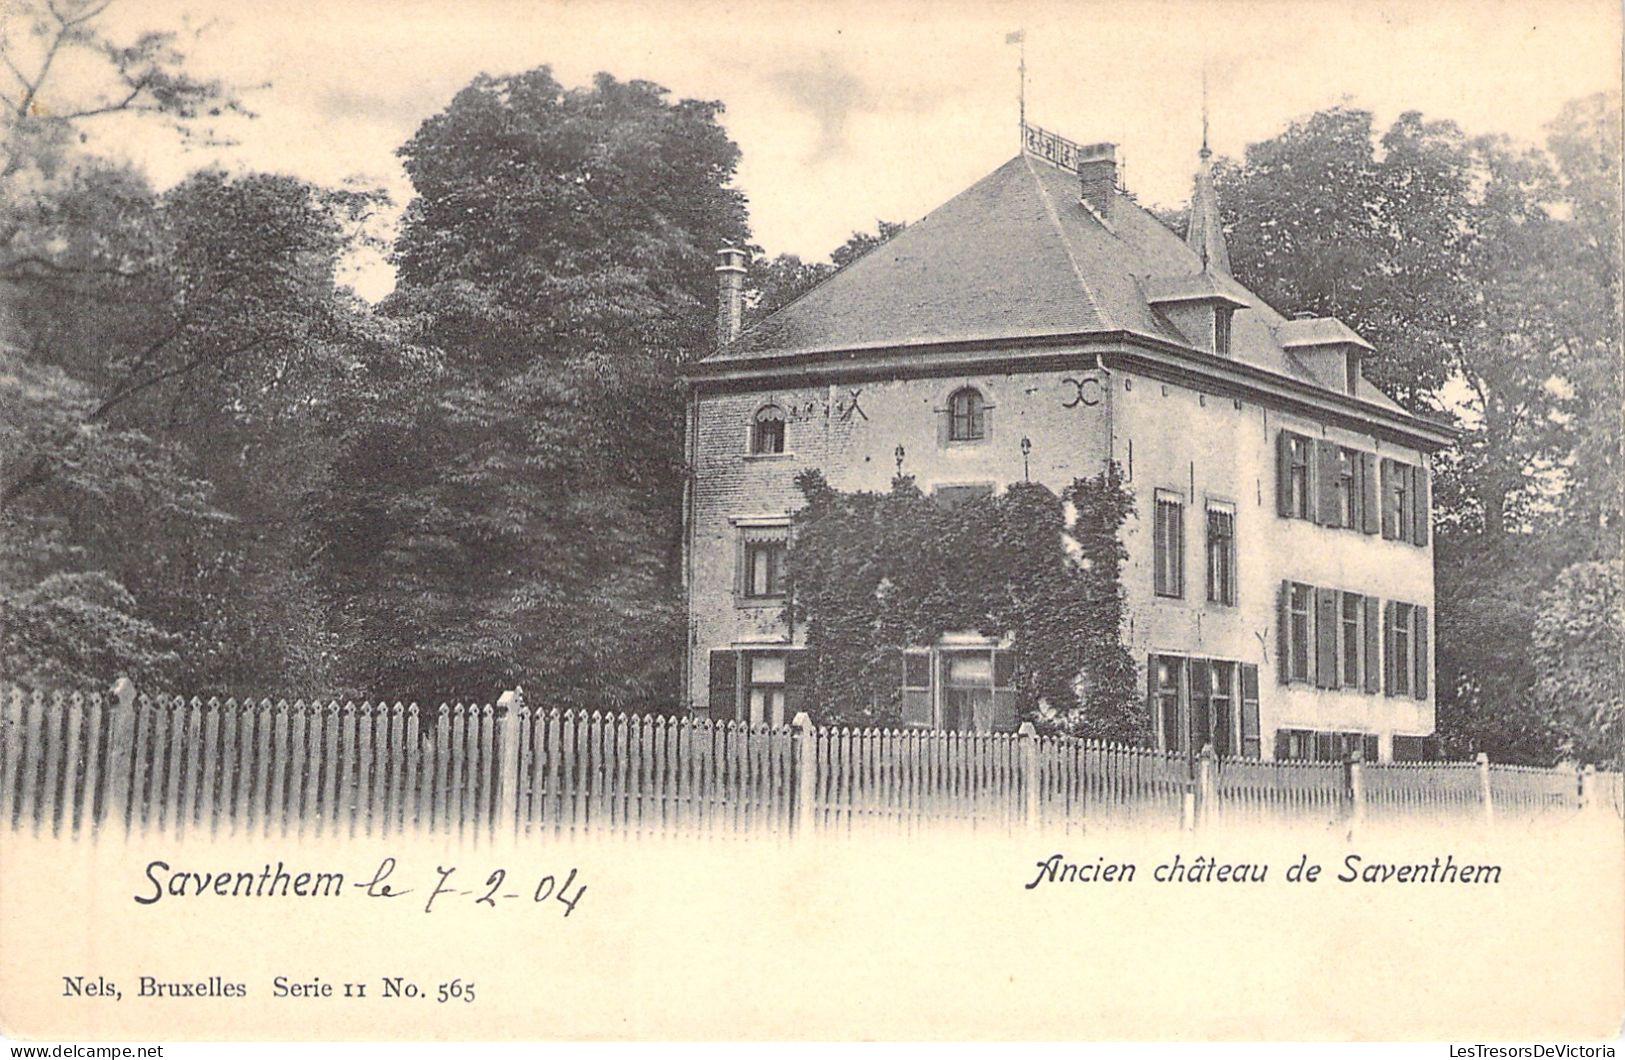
1301, 645
974, 418
1227, 585
1168, 555
773, 712
756, 433
1344, 656
1300, 456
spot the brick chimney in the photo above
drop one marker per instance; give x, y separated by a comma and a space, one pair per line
1097, 177
730, 272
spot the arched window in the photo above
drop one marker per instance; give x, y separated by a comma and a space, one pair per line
767, 430
965, 415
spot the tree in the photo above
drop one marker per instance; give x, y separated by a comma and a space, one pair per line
203, 321
146, 76
1579, 641
504, 503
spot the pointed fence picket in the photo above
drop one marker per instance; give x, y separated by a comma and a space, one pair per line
73, 762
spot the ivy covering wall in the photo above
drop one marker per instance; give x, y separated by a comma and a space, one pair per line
874, 573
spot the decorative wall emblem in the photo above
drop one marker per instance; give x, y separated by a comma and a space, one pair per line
1085, 391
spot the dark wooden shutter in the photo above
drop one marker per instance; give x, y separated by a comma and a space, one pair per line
724, 685
1368, 750
1326, 619
1004, 692
1151, 706
1250, 744
1419, 505
1283, 473
916, 691
797, 678
945, 420
1282, 744
1390, 500
1419, 642
1328, 483
1370, 514
1283, 635
1388, 648
1373, 646
1201, 697
987, 423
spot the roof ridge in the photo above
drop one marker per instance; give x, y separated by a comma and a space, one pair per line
1066, 244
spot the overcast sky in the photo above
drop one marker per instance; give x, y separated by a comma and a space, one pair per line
850, 112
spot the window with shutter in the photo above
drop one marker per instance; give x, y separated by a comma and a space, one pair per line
1368, 748
965, 415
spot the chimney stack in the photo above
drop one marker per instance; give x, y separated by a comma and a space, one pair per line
730, 272
1097, 177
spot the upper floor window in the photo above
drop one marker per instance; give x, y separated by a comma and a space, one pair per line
1348, 491
767, 430
1168, 544
966, 413
764, 568
1221, 330
1298, 497
1221, 554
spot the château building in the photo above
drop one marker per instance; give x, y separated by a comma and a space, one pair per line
1279, 584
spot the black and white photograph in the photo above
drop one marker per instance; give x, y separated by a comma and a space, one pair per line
596, 520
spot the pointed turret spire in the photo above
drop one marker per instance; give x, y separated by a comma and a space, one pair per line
1204, 234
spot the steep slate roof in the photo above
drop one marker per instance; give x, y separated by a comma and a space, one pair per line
1015, 255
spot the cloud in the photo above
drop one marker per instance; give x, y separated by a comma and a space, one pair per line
831, 93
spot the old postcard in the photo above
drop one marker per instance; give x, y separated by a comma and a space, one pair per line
576, 520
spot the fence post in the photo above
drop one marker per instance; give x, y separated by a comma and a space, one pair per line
508, 776
1206, 786
120, 749
1354, 785
1483, 761
1029, 772
1588, 788
806, 776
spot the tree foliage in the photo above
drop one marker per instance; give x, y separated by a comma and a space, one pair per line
503, 502
1579, 641
872, 574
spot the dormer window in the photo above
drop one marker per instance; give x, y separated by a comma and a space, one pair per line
1221, 330
965, 415
767, 431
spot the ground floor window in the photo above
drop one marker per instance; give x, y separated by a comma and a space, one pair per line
762, 687
1197, 702
959, 688
1316, 745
